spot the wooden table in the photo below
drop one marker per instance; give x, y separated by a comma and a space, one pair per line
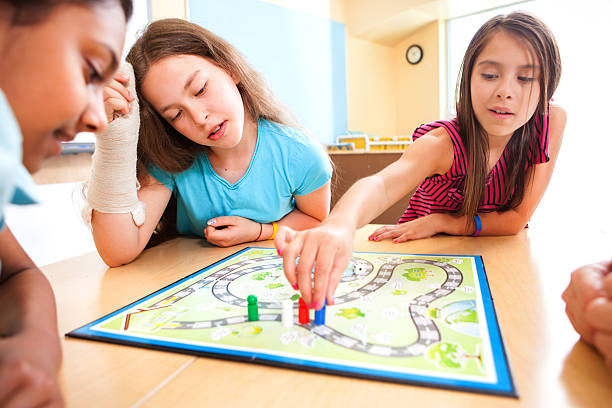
551, 367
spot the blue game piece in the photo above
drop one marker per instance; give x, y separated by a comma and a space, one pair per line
320, 315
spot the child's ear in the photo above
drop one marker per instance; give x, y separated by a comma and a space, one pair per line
235, 79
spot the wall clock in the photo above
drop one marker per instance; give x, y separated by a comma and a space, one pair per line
414, 54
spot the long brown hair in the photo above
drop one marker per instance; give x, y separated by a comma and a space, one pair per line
159, 143
523, 143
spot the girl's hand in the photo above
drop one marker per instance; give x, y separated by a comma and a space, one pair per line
423, 227
116, 97
27, 374
585, 287
325, 249
231, 230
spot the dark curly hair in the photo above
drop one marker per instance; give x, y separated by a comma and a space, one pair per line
34, 11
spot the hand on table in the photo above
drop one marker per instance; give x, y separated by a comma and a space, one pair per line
28, 373
327, 249
423, 227
588, 299
231, 230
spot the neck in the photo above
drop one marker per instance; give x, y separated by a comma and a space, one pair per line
498, 143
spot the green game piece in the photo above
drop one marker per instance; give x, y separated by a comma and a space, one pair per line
252, 308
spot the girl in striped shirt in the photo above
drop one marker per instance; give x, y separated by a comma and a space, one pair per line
482, 173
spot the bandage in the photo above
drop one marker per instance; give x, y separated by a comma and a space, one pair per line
112, 186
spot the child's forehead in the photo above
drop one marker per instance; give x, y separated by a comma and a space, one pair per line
507, 48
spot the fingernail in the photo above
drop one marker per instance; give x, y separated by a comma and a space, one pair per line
376, 238
311, 306
395, 241
211, 222
294, 286
370, 238
280, 252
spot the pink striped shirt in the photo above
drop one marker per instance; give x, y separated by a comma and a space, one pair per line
444, 193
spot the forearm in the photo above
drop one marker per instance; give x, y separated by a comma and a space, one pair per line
117, 239
296, 220
363, 202
508, 222
28, 305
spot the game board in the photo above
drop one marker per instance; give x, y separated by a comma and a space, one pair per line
418, 319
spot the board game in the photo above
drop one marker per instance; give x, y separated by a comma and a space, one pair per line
416, 319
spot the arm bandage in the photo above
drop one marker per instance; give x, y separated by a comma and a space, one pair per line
112, 186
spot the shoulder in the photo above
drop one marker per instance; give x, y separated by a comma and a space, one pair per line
436, 148
438, 140
286, 133
557, 118
288, 140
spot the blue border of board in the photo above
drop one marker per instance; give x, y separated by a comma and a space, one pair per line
504, 385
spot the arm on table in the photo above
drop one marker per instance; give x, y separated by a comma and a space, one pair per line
30, 351
118, 240
310, 210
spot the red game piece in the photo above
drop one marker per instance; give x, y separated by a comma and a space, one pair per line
303, 312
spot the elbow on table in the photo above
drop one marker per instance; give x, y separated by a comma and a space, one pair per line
515, 228
116, 258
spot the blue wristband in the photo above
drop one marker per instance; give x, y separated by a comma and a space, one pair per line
478, 225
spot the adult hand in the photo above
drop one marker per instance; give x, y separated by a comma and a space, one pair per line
325, 249
423, 227
599, 316
28, 373
586, 285
231, 230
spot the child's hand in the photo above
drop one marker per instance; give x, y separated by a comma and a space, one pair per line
327, 249
27, 374
117, 97
586, 285
423, 227
231, 230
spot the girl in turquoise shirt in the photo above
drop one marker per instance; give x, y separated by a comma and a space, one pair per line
210, 134
57, 57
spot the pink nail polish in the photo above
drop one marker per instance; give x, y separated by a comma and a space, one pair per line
294, 286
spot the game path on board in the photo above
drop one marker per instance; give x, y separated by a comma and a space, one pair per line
422, 319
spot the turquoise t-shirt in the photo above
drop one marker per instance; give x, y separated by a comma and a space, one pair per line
16, 184
286, 162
